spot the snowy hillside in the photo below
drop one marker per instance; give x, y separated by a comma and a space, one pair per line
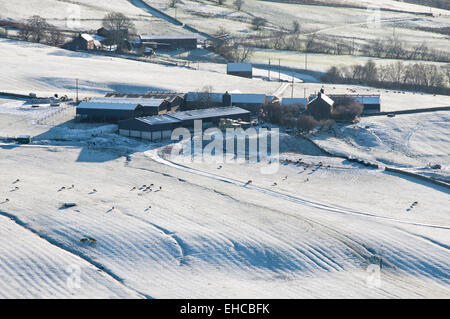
204, 233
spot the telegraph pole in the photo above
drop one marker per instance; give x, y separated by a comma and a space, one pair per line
292, 91
76, 81
279, 70
306, 60
269, 70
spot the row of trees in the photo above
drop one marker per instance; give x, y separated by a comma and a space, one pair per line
232, 49
345, 109
389, 47
37, 29
395, 48
236, 3
421, 76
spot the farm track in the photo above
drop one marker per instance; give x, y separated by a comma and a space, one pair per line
333, 209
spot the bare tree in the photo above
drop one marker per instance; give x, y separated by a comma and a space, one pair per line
119, 27
173, 3
36, 26
55, 36
346, 109
221, 2
295, 27
258, 23
4, 32
238, 4
446, 71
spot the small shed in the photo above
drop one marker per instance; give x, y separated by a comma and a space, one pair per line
240, 69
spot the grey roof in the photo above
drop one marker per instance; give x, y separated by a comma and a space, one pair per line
151, 37
239, 67
206, 113
107, 106
293, 101
363, 99
140, 101
158, 119
235, 97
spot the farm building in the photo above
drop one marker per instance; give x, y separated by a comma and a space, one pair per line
150, 106
152, 127
371, 103
109, 111
175, 99
240, 69
211, 116
168, 42
247, 101
161, 126
301, 102
84, 42
320, 107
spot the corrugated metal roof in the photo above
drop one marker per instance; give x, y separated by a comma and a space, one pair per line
141, 101
150, 37
239, 67
206, 113
107, 106
248, 98
235, 97
159, 119
293, 101
361, 98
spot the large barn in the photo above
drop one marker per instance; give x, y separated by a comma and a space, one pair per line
161, 126
175, 99
150, 106
240, 69
300, 102
108, 111
371, 103
168, 42
247, 101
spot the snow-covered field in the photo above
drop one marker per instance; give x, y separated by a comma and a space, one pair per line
411, 141
97, 75
199, 230
84, 14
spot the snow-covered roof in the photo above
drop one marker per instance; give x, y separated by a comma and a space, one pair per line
87, 37
151, 37
159, 119
248, 98
293, 101
140, 101
107, 106
207, 113
239, 67
363, 99
324, 97
235, 97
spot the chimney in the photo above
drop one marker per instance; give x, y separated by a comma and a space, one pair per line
226, 99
